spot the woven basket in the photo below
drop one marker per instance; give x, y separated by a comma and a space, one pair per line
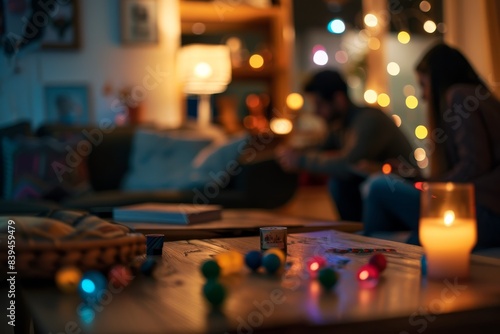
42, 260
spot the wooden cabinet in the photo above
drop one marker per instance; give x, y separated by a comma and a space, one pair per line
273, 24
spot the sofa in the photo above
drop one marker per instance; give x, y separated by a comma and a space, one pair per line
96, 184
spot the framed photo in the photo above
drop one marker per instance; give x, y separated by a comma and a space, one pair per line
139, 21
67, 104
62, 30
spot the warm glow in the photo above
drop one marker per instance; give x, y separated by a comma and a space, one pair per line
294, 101
404, 37
234, 43
256, 61
425, 6
421, 132
441, 27
353, 81
203, 70
281, 126
374, 43
371, 20
386, 168
449, 217
370, 96
320, 57
419, 154
364, 275
252, 101
341, 57
336, 26
411, 102
314, 266
397, 120
383, 100
393, 68
430, 26
408, 90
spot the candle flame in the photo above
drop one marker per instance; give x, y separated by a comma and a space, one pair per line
449, 217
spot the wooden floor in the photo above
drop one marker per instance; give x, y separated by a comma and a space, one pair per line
313, 202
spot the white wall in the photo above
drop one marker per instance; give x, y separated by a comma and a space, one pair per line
101, 60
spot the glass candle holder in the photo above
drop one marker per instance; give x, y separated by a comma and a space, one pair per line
447, 228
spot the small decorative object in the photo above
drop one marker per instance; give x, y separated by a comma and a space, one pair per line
447, 228
253, 260
368, 275
210, 269
120, 276
327, 277
278, 252
148, 266
315, 264
379, 261
273, 237
154, 244
92, 285
139, 21
67, 104
271, 263
68, 278
214, 292
230, 262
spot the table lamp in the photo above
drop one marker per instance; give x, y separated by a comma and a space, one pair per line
204, 70
447, 228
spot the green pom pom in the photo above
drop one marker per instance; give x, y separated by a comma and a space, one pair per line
327, 277
210, 269
214, 292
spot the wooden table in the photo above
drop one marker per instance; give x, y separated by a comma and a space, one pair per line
403, 301
237, 223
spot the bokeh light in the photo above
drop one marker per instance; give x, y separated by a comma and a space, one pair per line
370, 96
408, 90
198, 28
341, 57
294, 101
281, 126
252, 101
441, 27
336, 26
203, 70
421, 132
424, 163
370, 20
393, 68
411, 102
386, 168
430, 26
374, 43
419, 154
425, 6
383, 100
234, 43
256, 61
397, 120
404, 37
320, 57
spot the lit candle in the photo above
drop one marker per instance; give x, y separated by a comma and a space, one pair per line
447, 229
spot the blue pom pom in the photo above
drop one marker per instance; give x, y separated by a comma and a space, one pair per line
253, 260
271, 263
423, 265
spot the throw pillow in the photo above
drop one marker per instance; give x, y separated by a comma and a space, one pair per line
218, 162
161, 161
43, 168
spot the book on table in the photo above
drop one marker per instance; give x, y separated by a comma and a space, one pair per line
165, 213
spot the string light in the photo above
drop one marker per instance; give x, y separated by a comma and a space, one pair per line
420, 154
320, 57
408, 90
371, 20
294, 101
383, 100
429, 26
256, 61
374, 43
281, 126
421, 132
397, 120
341, 57
370, 96
404, 37
336, 26
393, 68
425, 6
411, 102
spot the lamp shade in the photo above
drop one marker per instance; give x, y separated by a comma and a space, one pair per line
204, 69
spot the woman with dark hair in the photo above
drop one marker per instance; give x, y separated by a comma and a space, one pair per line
463, 120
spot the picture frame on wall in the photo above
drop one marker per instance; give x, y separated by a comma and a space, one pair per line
139, 21
67, 104
63, 28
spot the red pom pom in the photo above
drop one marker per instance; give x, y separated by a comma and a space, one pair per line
379, 261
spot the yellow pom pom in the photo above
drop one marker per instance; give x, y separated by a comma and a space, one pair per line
68, 278
230, 262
